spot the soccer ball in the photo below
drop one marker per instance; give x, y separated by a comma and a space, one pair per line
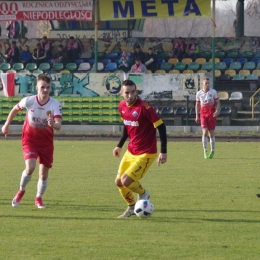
144, 208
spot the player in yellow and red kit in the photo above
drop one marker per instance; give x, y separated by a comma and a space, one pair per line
208, 106
140, 123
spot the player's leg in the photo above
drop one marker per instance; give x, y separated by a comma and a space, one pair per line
135, 172
126, 194
30, 164
204, 138
45, 163
212, 126
42, 185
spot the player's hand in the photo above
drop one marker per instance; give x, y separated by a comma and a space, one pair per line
50, 120
5, 130
215, 114
162, 158
197, 120
117, 151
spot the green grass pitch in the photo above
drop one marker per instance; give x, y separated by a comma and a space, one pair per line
204, 209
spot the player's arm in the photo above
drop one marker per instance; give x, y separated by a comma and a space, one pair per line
11, 116
124, 136
163, 138
217, 102
197, 110
55, 122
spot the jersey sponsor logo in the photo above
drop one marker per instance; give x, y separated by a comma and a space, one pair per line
131, 123
40, 108
135, 114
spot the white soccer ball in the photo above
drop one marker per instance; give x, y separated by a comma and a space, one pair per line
144, 208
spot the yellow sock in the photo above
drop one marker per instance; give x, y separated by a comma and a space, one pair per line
127, 195
136, 187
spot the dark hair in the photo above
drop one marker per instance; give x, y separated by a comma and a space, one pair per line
138, 46
38, 44
44, 37
128, 82
150, 48
72, 38
26, 46
44, 78
13, 42
61, 46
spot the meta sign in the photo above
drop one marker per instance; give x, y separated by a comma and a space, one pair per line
46, 10
137, 9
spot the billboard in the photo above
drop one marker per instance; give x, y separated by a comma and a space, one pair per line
46, 10
139, 9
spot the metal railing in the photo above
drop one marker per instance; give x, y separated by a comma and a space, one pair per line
252, 102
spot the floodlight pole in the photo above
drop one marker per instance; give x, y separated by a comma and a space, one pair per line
213, 42
96, 36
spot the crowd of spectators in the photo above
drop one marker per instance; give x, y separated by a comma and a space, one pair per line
136, 62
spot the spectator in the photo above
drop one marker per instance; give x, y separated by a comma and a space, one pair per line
73, 49
178, 49
123, 63
138, 67
26, 55
151, 60
13, 28
12, 54
46, 45
139, 53
192, 50
39, 55
59, 55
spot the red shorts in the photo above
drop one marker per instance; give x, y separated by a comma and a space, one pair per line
208, 121
44, 154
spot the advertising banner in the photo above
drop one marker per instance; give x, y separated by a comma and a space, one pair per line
46, 10
139, 9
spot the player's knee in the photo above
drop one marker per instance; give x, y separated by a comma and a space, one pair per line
29, 170
118, 182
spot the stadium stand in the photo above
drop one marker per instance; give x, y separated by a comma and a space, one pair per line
231, 73
244, 72
239, 77
18, 66
188, 72
84, 66
235, 66
223, 95
31, 66
173, 60
193, 66
166, 66
5, 66
232, 54
176, 71
111, 66
180, 66
187, 61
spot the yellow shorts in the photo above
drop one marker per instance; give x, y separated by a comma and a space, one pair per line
135, 166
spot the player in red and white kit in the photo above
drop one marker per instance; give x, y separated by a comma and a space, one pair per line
43, 115
208, 106
140, 123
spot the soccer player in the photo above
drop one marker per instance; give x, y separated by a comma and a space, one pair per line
43, 115
140, 123
208, 106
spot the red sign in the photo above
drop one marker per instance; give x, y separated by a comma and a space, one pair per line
46, 10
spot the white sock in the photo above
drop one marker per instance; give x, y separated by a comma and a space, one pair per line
24, 180
212, 143
205, 142
41, 187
